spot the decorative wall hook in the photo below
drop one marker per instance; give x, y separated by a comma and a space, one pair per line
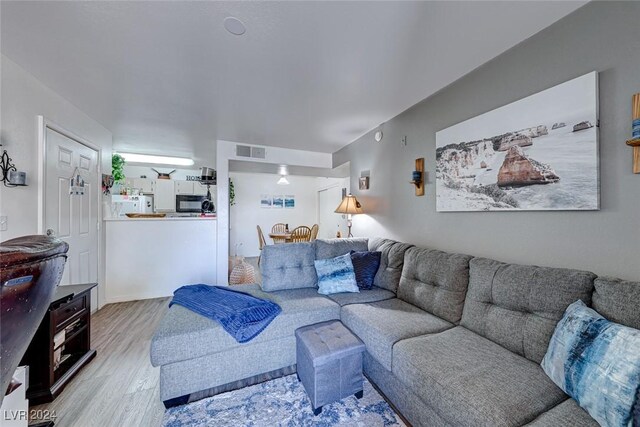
76, 183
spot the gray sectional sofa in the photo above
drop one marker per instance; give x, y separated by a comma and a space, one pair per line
451, 340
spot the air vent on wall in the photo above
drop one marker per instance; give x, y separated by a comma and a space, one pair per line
248, 151
243, 151
258, 152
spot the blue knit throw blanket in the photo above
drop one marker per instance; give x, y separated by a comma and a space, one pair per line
242, 315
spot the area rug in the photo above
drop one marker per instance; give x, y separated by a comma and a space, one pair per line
282, 402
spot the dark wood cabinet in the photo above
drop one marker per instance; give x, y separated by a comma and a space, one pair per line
62, 345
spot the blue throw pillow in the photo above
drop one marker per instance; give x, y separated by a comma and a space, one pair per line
336, 275
366, 265
597, 362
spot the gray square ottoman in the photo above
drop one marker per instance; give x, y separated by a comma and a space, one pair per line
329, 359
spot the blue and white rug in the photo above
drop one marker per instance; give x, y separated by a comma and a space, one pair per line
281, 402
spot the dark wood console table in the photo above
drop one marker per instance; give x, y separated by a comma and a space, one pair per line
62, 343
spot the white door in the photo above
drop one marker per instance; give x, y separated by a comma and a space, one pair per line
329, 221
73, 217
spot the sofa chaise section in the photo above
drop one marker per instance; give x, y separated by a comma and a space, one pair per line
196, 353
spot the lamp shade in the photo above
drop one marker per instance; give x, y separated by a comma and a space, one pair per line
349, 205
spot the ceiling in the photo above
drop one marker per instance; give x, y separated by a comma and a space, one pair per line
167, 78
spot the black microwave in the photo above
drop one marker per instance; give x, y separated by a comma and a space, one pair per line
188, 203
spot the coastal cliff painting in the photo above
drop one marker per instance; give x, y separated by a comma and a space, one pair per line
538, 153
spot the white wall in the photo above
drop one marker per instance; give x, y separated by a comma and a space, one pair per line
226, 151
247, 213
23, 99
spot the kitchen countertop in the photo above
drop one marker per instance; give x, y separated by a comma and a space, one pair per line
166, 218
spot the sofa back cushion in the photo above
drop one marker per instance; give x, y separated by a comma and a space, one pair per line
435, 281
331, 248
288, 266
518, 306
391, 262
618, 300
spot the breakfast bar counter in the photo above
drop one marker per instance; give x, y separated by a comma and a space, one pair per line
152, 257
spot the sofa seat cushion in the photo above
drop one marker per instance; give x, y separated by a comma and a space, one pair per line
381, 324
470, 380
183, 334
568, 413
374, 294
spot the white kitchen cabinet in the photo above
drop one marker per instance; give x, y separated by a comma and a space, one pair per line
146, 185
164, 195
184, 187
201, 190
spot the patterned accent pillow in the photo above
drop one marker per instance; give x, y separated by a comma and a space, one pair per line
597, 362
366, 266
336, 275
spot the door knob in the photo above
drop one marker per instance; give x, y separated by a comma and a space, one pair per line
51, 233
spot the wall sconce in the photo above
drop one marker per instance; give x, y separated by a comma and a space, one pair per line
417, 177
635, 133
11, 177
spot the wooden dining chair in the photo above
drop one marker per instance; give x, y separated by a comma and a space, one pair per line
261, 242
279, 228
314, 232
301, 234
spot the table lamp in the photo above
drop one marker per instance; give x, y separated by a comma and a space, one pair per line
350, 206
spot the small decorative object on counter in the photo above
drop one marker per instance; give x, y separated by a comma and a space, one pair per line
242, 273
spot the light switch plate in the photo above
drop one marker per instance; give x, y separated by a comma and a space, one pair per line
3, 223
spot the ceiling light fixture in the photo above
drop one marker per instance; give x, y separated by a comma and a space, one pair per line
378, 136
234, 26
158, 160
283, 171
283, 180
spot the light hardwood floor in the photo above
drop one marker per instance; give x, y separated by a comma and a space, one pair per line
119, 387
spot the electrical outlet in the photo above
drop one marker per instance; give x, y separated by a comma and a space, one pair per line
3, 223
404, 140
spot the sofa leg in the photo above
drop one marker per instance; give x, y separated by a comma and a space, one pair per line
298, 376
317, 411
359, 394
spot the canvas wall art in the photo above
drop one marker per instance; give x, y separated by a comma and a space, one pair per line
289, 202
265, 201
278, 202
538, 153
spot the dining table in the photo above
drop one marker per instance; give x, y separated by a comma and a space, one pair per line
281, 236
